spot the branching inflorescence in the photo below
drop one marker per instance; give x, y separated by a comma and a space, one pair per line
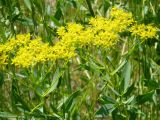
101, 32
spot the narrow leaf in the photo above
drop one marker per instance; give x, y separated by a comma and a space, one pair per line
56, 22
28, 4
129, 90
127, 74
105, 110
7, 115
141, 99
54, 83
118, 68
67, 105
90, 8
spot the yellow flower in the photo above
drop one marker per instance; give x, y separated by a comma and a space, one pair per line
106, 39
61, 31
12, 46
63, 51
16, 42
74, 28
3, 59
101, 32
36, 51
143, 31
121, 18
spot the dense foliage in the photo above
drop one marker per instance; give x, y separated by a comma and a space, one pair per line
79, 59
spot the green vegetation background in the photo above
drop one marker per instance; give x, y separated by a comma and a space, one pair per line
121, 87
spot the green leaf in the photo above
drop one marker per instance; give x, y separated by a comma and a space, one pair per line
152, 84
7, 115
107, 100
129, 100
40, 5
113, 90
141, 99
74, 4
26, 21
37, 107
119, 67
1, 78
127, 74
105, 110
116, 115
146, 68
56, 22
17, 100
129, 90
90, 8
58, 13
133, 113
95, 66
28, 4
70, 100
54, 83
106, 6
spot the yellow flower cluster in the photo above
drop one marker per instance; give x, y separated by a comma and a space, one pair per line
12, 46
38, 52
25, 52
35, 51
3, 59
101, 32
143, 31
120, 18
